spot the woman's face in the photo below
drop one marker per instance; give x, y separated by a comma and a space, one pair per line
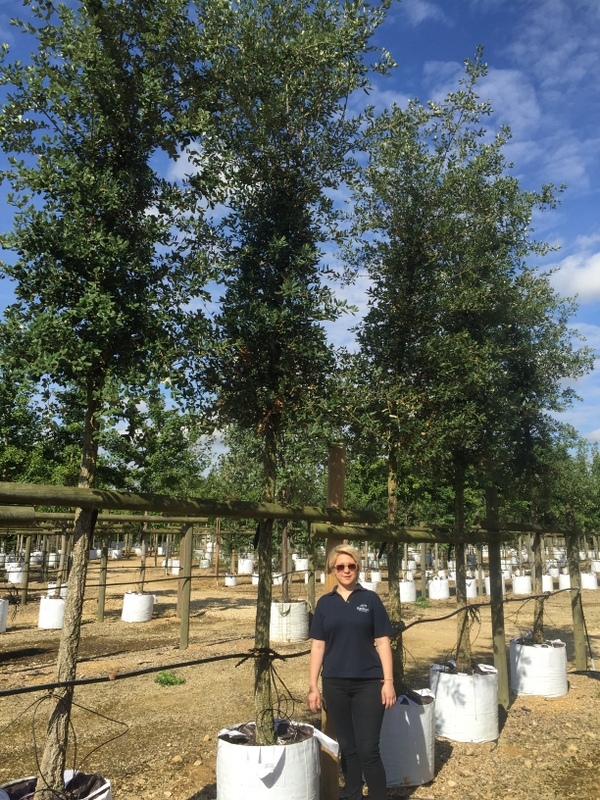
345, 569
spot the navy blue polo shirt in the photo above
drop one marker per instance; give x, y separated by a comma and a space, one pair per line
349, 628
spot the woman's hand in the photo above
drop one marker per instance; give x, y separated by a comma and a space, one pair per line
314, 700
388, 694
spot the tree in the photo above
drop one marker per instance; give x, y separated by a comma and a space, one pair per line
156, 449
286, 72
464, 342
101, 275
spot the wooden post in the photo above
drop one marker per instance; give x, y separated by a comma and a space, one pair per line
479, 567
572, 541
335, 499
63, 567
497, 604
186, 550
44, 567
217, 549
285, 559
312, 580
102, 581
423, 570
26, 568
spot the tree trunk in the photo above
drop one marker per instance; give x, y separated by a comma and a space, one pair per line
263, 704
538, 613
51, 776
463, 647
395, 607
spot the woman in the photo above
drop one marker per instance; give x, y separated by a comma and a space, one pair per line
351, 645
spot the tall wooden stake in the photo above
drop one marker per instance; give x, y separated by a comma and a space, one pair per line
572, 541
186, 552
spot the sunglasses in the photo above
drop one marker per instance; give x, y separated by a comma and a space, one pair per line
342, 567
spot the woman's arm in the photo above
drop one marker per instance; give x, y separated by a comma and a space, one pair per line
384, 649
317, 650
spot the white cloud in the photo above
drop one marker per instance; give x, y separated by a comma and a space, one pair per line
419, 11
594, 436
559, 42
513, 100
568, 160
579, 275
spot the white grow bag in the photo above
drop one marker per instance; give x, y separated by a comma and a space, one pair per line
589, 581
408, 591
51, 614
522, 584
52, 587
407, 740
564, 581
245, 566
538, 669
439, 589
547, 583
103, 792
137, 607
289, 621
466, 705
15, 573
269, 772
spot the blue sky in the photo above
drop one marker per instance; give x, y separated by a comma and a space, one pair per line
543, 81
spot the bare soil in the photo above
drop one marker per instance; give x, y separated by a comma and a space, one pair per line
156, 742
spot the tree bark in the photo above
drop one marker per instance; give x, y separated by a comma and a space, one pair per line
51, 775
463, 647
265, 734
395, 606
538, 613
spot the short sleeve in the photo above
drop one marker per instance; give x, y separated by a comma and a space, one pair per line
317, 630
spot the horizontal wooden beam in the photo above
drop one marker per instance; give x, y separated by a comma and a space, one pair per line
401, 534
524, 527
24, 515
75, 497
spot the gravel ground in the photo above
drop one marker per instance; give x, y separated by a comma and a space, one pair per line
548, 749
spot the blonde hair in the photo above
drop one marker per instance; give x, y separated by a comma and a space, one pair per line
342, 549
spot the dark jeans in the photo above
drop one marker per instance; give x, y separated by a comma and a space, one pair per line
356, 712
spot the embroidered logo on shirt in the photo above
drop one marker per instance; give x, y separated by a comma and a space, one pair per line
363, 607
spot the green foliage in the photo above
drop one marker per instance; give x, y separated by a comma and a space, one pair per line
167, 678
100, 281
284, 141
422, 602
465, 346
